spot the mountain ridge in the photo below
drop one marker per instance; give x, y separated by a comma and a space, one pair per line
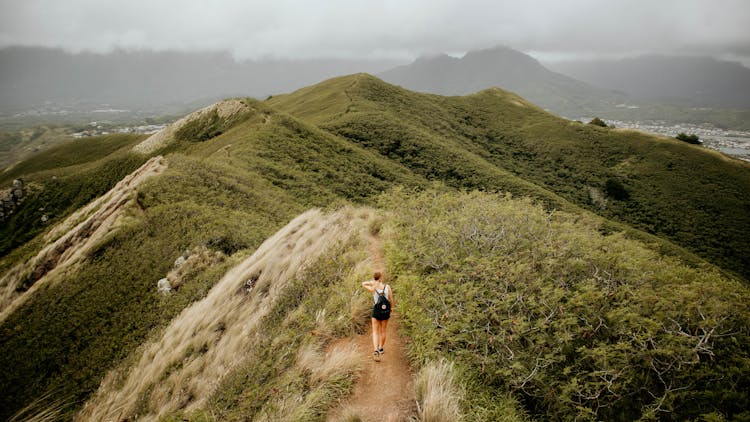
512, 137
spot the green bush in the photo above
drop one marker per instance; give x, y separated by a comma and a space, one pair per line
598, 122
615, 189
574, 324
691, 139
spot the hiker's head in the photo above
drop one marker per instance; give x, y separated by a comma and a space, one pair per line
377, 276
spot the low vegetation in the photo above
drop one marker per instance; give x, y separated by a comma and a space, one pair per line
18, 144
438, 395
572, 323
74, 152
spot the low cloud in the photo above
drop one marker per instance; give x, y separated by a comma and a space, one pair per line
386, 29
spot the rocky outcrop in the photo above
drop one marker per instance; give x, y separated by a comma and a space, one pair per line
185, 265
163, 286
11, 199
68, 242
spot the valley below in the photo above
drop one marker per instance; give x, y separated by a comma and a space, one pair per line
731, 142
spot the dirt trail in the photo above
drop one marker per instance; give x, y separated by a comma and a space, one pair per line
384, 391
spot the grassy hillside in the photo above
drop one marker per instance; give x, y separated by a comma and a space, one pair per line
226, 194
62, 179
75, 152
230, 185
694, 197
302, 297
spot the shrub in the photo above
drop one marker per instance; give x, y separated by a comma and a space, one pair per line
202, 128
691, 139
228, 243
615, 189
598, 122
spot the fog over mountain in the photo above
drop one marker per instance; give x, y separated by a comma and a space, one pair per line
143, 54
699, 81
390, 29
145, 79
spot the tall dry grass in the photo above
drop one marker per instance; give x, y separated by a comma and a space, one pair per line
42, 410
342, 360
208, 339
327, 372
438, 395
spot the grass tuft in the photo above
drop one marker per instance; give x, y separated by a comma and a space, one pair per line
438, 394
44, 408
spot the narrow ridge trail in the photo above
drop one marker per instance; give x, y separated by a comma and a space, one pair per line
384, 391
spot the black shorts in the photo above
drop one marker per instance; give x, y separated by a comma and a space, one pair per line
380, 316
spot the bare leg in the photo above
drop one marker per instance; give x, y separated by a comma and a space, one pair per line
383, 327
375, 333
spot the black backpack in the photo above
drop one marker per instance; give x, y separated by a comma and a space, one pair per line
382, 308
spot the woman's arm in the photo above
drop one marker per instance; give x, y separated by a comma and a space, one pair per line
390, 296
368, 285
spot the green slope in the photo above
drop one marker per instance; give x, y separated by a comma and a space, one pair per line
696, 198
62, 179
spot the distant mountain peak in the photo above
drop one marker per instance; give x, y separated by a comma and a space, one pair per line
690, 80
499, 51
435, 57
502, 67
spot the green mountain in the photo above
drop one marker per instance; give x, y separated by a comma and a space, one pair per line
211, 271
505, 68
696, 81
673, 90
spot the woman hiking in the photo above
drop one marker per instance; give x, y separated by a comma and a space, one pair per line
382, 297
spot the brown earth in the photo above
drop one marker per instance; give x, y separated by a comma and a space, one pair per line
384, 390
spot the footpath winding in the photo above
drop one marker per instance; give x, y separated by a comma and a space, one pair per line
384, 391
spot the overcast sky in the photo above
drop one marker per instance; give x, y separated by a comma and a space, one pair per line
399, 29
